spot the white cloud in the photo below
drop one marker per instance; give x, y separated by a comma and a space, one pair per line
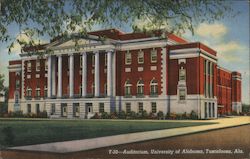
216, 30
231, 51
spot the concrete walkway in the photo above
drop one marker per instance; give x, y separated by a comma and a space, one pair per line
87, 144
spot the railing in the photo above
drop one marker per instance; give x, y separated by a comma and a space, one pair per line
28, 97
155, 94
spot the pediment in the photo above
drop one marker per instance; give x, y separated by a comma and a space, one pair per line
71, 43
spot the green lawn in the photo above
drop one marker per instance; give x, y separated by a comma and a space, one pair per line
29, 132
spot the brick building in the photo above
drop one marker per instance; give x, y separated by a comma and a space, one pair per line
123, 71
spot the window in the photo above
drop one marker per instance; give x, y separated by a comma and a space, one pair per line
45, 91
17, 84
140, 87
153, 87
29, 66
38, 94
16, 97
29, 108
38, 65
209, 109
37, 108
140, 107
76, 109
46, 64
53, 108
182, 94
29, 92
128, 58
153, 55
153, 106
101, 107
182, 74
128, 107
140, 57
128, 86
213, 108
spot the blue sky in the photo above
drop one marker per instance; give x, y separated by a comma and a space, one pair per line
229, 37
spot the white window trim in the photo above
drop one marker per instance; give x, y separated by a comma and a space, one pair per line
128, 56
140, 87
127, 85
38, 65
153, 51
29, 66
140, 56
155, 84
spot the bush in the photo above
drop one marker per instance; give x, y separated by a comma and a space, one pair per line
8, 136
96, 116
152, 116
113, 115
122, 115
105, 115
160, 115
144, 114
173, 116
42, 114
131, 115
193, 115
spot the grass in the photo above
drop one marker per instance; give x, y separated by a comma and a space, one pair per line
28, 132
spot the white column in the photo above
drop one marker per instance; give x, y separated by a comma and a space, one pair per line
71, 75
49, 77
211, 80
206, 79
109, 73
59, 77
53, 75
84, 74
97, 78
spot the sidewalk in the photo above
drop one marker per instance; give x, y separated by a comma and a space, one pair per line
87, 144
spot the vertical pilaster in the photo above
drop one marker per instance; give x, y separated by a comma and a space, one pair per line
53, 75
207, 78
97, 75
59, 87
109, 73
49, 77
84, 74
71, 76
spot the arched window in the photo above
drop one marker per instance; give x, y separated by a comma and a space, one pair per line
38, 92
128, 86
153, 87
140, 87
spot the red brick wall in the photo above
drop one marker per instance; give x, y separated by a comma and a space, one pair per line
224, 91
146, 75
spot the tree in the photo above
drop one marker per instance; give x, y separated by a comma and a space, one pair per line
63, 17
1, 83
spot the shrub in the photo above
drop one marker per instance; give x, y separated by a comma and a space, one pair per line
193, 115
122, 115
160, 115
105, 115
173, 116
184, 116
152, 116
113, 115
96, 116
144, 114
131, 115
8, 136
42, 114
